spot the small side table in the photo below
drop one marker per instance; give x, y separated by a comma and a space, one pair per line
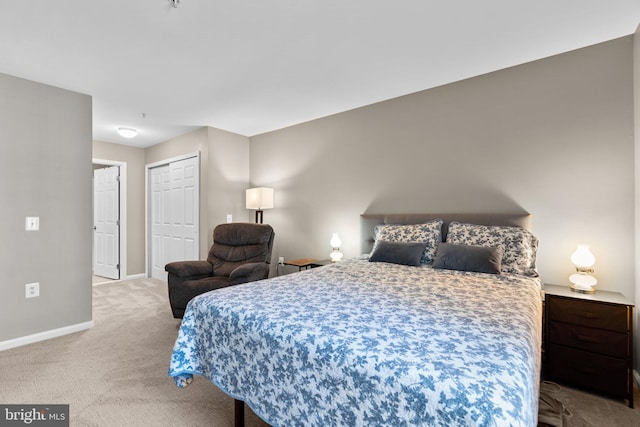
320, 263
302, 263
306, 263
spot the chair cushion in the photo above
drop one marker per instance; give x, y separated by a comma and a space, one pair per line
239, 243
181, 295
207, 284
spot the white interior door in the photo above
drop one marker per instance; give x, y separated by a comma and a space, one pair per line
174, 208
106, 214
184, 210
160, 230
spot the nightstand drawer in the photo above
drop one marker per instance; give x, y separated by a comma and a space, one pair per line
590, 339
594, 371
586, 313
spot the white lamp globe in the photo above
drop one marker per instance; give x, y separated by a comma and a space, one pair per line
582, 257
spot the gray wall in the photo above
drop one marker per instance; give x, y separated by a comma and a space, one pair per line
134, 157
553, 138
46, 171
228, 179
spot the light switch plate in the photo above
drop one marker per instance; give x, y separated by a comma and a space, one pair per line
229, 218
32, 223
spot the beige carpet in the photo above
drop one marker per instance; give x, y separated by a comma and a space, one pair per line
583, 409
116, 373
99, 280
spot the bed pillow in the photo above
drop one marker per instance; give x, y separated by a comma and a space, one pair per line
481, 259
518, 244
428, 233
398, 253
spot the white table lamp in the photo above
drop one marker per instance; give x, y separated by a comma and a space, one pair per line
584, 260
335, 243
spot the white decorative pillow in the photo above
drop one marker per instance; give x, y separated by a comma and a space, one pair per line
519, 245
429, 233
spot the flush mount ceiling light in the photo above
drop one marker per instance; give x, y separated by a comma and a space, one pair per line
127, 132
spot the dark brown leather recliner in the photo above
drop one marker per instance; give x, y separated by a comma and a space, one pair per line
241, 253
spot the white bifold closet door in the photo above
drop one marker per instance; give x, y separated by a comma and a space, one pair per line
174, 208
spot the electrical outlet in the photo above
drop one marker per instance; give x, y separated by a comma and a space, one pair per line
281, 260
229, 218
32, 290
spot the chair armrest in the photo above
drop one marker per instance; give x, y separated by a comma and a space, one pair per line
189, 268
249, 272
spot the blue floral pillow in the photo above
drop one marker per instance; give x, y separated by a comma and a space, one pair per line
429, 233
519, 245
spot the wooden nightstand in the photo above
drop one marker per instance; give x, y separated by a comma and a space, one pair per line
588, 340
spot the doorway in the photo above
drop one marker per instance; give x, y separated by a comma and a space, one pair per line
173, 222
109, 212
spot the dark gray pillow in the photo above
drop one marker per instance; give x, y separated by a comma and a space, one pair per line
469, 258
398, 252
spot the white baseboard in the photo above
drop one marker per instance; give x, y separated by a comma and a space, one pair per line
42, 336
132, 277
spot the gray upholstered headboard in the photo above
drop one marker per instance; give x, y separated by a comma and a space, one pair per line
369, 221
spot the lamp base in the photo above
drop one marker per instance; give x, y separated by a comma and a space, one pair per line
581, 290
336, 255
583, 283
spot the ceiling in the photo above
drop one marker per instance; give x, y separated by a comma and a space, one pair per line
252, 66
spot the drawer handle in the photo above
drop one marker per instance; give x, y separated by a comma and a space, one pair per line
586, 338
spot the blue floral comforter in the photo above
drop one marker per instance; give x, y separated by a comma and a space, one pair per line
359, 343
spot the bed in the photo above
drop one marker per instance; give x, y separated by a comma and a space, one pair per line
402, 339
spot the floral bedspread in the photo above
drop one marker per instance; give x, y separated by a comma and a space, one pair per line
359, 343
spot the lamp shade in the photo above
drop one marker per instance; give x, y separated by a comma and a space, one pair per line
582, 257
260, 198
335, 241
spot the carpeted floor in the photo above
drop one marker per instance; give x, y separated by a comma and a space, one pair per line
116, 373
583, 409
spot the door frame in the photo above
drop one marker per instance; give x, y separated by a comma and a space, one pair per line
147, 213
122, 201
